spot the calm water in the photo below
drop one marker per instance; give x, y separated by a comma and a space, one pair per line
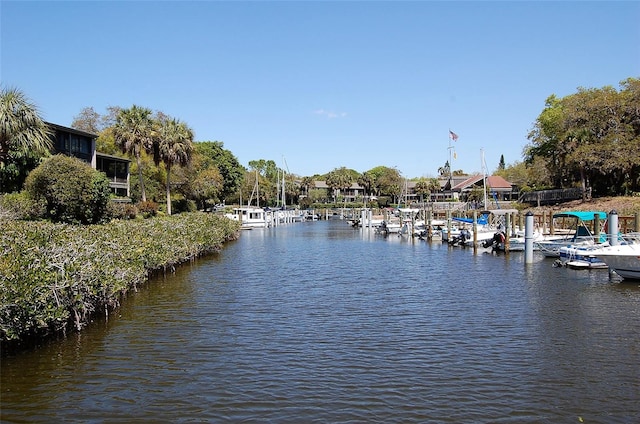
319, 322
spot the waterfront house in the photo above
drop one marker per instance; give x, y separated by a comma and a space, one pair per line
82, 145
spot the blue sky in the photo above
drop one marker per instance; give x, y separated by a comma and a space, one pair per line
317, 85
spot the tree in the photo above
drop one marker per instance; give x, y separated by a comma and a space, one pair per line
21, 128
591, 138
339, 179
213, 154
444, 171
501, 165
173, 147
424, 187
307, 183
207, 185
87, 120
134, 133
367, 180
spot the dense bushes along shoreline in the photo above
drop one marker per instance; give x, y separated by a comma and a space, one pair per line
56, 276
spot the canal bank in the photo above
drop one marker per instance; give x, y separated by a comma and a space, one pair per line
56, 277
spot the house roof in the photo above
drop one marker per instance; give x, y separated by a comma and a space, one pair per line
115, 158
71, 130
494, 182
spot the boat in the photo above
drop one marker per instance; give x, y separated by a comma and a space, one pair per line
462, 234
582, 256
578, 235
623, 259
250, 217
403, 222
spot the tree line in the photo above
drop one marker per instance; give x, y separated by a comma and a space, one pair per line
586, 139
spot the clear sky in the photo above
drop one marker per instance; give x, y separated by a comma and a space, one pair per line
317, 85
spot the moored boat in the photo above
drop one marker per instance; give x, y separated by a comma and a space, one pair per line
579, 234
250, 217
623, 259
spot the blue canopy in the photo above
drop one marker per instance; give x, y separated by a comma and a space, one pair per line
581, 215
482, 219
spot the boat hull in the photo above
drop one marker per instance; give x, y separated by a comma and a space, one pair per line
623, 259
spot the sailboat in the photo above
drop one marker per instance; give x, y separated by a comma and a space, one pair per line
251, 217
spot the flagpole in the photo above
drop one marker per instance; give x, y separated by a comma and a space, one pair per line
449, 148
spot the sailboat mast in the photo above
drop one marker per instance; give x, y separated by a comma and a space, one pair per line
484, 178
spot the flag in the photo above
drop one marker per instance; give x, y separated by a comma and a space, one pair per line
455, 156
453, 136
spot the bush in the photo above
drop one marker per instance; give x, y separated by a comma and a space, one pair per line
57, 276
183, 205
121, 210
72, 191
148, 208
20, 206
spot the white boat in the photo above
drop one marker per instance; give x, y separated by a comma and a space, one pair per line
579, 234
582, 256
402, 223
250, 217
462, 234
623, 259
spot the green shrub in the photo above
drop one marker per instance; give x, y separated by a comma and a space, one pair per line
72, 191
56, 276
20, 205
122, 210
183, 205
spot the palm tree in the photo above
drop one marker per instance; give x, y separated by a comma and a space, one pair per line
21, 128
134, 133
174, 147
306, 183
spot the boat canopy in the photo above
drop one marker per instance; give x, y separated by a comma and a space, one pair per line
482, 219
581, 215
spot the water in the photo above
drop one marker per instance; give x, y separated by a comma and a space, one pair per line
319, 322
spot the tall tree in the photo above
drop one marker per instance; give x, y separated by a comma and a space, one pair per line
213, 154
21, 127
501, 165
134, 133
307, 183
367, 180
426, 186
88, 120
339, 179
174, 146
590, 137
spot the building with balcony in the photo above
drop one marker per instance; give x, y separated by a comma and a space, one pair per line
82, 145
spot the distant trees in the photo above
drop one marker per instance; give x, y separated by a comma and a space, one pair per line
340, 179
590, 138
425, 186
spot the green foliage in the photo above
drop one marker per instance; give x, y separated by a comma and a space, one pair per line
213, 154
121, 210
17, 166
590, 136
72, 191
21, 127
184, 205
20, 205
53, 275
